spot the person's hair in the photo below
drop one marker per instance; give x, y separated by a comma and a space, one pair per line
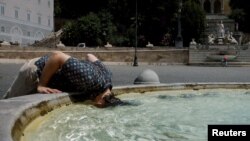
111, 100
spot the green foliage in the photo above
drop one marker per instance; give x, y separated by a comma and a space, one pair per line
115, 21
57, 8
86, 29
241, 14
108, 29
238, 15
156, 18
193, 18
70, 35
90, 29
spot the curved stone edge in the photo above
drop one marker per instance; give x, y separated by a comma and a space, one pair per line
179, 86
16, 113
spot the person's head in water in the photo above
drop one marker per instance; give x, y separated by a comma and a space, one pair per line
107, 98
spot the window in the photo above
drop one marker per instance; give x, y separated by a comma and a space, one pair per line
28, 16
2, 9
39, 19
16, 14
2, 29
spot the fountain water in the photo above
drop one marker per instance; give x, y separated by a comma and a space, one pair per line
188, 114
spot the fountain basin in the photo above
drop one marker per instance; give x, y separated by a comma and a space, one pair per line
17, 113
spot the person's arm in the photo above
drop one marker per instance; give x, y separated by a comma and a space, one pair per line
56, 60
91, 57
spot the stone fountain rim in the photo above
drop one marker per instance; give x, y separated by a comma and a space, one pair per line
31, 106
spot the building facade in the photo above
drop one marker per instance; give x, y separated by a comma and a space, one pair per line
26, 21
216, 6
217, 11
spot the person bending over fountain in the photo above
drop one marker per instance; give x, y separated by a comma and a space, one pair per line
59, 72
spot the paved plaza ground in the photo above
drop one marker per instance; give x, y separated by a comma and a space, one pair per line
126, 74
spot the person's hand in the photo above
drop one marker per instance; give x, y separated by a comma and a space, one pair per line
47, 90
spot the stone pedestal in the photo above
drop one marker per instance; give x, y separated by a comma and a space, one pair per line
220, 41
5, 43
108, 45
60, 45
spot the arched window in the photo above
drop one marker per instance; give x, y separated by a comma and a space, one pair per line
207, 6
39, 35
16, 34
217, 7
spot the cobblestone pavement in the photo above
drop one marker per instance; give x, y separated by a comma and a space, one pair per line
125, 74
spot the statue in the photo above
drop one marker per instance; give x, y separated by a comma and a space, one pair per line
193, 44
211, 39
221, 30
149, 45
60, 45
231, 39
108, 45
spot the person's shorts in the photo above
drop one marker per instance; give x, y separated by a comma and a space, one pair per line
26, 81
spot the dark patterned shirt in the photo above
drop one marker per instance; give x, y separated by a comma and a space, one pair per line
88, 78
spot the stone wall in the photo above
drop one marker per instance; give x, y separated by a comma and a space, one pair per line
157, 55
200, 56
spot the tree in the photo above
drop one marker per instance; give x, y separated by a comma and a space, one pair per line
77, 9
156, 18
86, 29
108, 29
116, 21
241, 14
70, 36
57, 8
193, 21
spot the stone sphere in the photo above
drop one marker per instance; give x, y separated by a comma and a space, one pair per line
147, 76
